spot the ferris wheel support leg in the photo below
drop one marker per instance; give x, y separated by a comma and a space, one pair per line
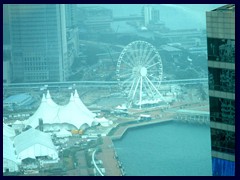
156, 90
135, 89
131, 88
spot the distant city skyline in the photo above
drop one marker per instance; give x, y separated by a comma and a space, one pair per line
175, 16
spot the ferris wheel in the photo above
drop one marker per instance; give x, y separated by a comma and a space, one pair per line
139, 71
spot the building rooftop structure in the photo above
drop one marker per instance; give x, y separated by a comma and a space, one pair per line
19, 101
228, 7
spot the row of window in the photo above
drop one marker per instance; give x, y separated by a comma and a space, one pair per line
35, 68
36, 76
226, 27
223, 141
222, 110
221, 79
222, 50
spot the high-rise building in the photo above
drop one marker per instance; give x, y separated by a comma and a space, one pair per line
38, 40
6, 35
95, 18
221, 68
71, 15
151, 15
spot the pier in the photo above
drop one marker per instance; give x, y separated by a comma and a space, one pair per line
122, 129
193, 116
107, 155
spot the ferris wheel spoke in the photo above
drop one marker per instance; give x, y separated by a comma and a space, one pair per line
135, 89
145, 50
130, 65
156, 90
148, 86
144, 88
141, 52
125, 74
152, 58
131, 58
146, 59
130, 54
157, 79
153, 71
136, 49
132, 85
145, 53
153, 65
124, 70
127, 80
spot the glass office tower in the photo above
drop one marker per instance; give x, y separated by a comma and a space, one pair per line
221, 68
38, 40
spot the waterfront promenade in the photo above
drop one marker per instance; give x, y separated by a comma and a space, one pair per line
122, 129
107, 155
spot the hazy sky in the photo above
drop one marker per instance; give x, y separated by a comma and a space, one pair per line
175, 16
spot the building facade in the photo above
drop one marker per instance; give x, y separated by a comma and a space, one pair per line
151, 15
71, 15
38, 40
95, 18
221, 69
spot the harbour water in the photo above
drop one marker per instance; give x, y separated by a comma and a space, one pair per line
166, 149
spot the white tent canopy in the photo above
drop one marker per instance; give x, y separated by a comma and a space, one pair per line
103, 121
45, 112
49, 100
75, 113
80, 104
63, 133
8, 131
9, 157
33, 143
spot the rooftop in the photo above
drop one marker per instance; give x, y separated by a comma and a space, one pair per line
19, 98
228, 7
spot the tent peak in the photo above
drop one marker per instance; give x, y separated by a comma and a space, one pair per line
76, 94
71, 98
44, 98
48, 96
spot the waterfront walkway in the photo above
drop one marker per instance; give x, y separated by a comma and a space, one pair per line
122, 129
107, 155
94, 163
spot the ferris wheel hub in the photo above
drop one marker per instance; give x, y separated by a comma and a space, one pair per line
143, 71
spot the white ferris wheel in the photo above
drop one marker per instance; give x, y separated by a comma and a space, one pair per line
139, 72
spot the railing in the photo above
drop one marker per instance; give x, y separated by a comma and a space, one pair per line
94, 163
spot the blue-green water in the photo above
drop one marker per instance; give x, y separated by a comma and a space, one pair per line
167, 149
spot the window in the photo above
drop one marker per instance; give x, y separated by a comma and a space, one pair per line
222, 110
221, 50
223, 141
